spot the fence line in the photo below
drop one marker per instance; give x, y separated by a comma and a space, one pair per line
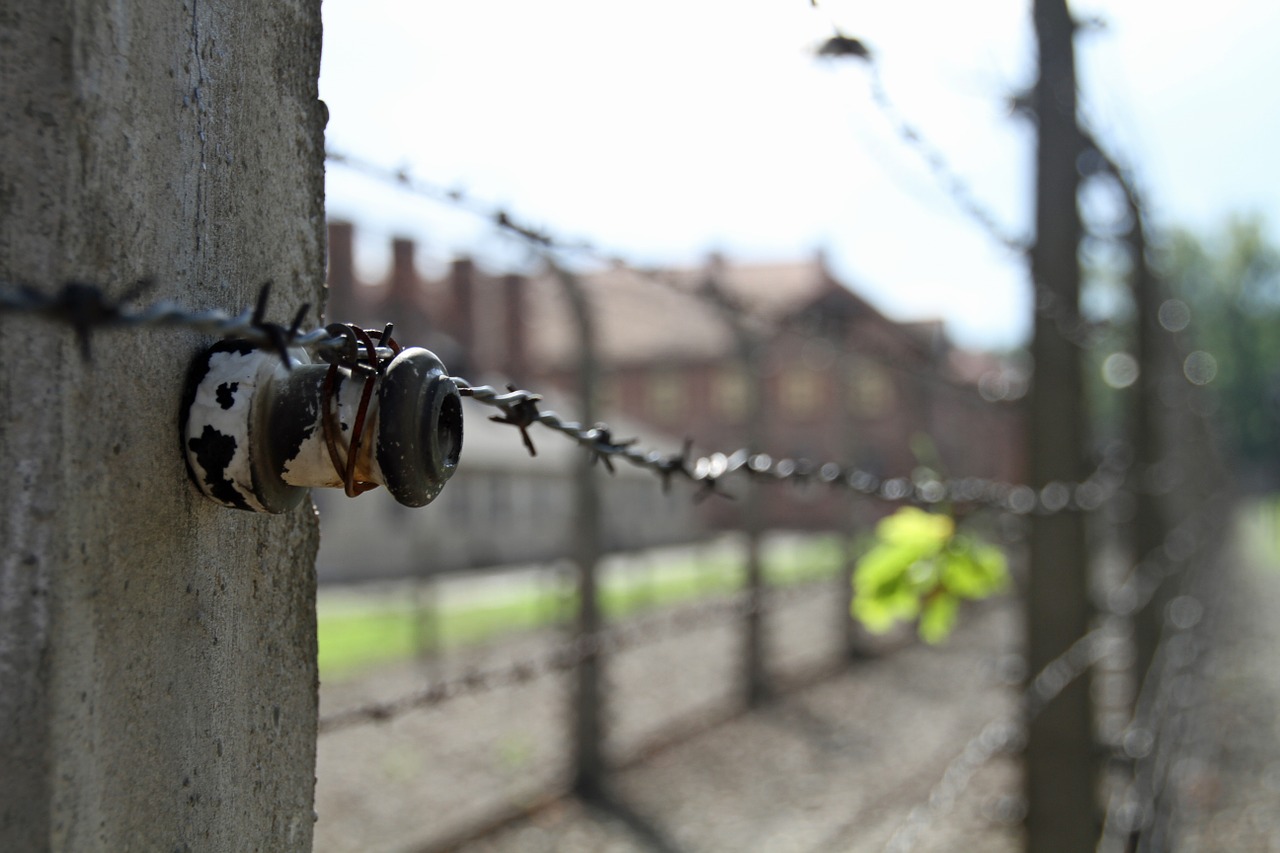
520, 409
87, 308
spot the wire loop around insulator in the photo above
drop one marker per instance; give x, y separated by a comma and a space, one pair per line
369, 372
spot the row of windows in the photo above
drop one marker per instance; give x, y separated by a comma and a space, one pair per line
802, 393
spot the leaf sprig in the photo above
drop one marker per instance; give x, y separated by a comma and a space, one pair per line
921, 568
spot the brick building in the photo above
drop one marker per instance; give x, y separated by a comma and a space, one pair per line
839, 380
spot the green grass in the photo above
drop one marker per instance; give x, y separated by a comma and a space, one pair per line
1259, 527
355, 637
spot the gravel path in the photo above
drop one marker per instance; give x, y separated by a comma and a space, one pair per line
1229, 785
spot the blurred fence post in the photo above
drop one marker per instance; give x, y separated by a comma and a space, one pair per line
428, 639
588, 705
853, 636
1149, 527
756, 688
157, 650
755, 675
1061, 764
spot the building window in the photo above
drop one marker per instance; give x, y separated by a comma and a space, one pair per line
608, 395
729, 393
870, 390
801, 392
665, 394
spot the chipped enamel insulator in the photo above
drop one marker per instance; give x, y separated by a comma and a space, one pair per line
254, 432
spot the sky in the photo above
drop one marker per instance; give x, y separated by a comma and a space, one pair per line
665, 130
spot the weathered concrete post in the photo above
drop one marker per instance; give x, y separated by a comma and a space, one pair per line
157, 651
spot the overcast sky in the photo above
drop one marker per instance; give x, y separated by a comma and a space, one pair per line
667, 129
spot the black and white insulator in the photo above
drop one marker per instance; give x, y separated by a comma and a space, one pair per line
254, 432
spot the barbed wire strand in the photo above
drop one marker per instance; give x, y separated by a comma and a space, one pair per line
1004, 734
543, 241
1066, 319
520, 409
87, 308
1157, 729
564, 656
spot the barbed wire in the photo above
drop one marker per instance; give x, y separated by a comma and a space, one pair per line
1066, 319
1001, 735
672, 623
497, 216
545, 242
1004, 734
1157, 728
1153, 735
87, 308
520, 409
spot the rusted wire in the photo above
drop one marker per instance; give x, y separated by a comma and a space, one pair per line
330, 419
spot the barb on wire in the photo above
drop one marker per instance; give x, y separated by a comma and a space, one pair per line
499, 217
469, 682
962, 195
519, 408
996, 737
87, 308
842, 46
999, 736
1066, 318
1156, 731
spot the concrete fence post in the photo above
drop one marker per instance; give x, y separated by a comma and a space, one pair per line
749, 353
1061, 757
588, 732
157, 651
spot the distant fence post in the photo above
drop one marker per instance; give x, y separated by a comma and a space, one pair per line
755, 669
853, 636
756, 687
588, 705
157, 650
1061, 764
1149, 527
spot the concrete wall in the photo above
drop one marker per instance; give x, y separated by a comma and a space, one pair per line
157, 652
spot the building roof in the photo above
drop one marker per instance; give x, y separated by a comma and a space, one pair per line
648, 317
486, 324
